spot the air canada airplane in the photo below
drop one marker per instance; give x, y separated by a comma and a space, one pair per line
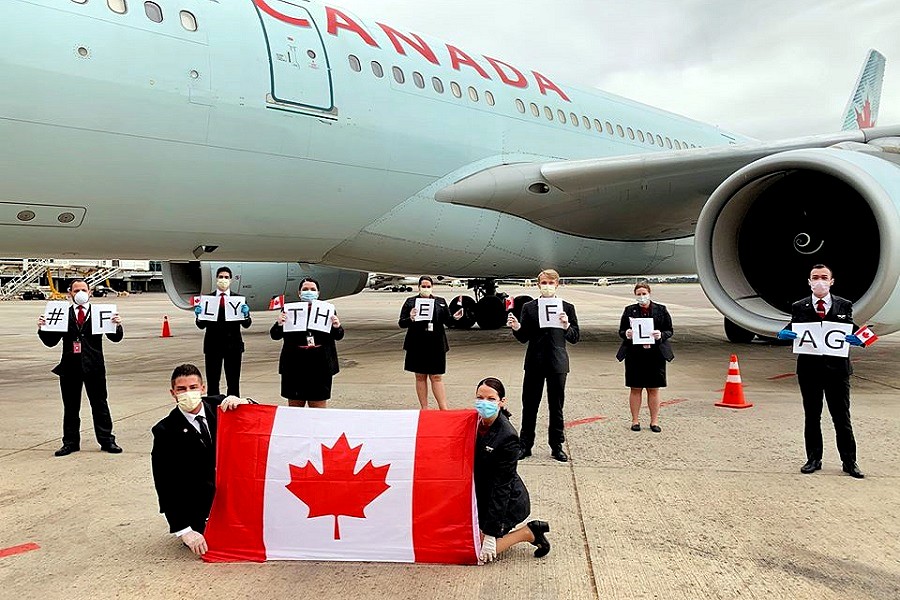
287, 138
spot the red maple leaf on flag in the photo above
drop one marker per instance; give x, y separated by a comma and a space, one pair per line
337, 490
864, 118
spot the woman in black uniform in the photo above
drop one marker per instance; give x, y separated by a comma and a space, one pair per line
308, 361
426, 344
501, 496
645, 364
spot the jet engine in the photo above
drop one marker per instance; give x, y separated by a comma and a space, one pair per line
764, 227
258, 282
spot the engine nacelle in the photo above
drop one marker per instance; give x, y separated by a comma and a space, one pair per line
258, 282
766, 225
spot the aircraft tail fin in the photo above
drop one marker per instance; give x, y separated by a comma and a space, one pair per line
862, 107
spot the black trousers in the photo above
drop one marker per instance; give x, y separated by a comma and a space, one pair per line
532, 392
232, 362
70, 386
836, 390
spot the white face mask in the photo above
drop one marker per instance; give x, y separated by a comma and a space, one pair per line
819, 287
188, 401
223, 283
643, 300
548, 290
81, 298
424, 291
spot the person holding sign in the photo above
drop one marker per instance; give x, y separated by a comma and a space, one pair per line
222, 316
645, 329
424, 317
82, 364
309, 360
547, 324
825, 373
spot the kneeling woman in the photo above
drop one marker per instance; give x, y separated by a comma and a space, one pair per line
502, 499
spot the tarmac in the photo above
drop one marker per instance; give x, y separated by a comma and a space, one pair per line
713, 507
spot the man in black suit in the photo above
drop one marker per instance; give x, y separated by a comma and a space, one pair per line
825, 375
545, 359
223, 341
82, 365
184, 456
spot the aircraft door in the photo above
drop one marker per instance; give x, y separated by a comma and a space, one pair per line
299, 69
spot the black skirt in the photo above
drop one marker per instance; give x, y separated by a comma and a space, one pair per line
308, 378
645, 368
431, 362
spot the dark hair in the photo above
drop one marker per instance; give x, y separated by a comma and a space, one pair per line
496, 385
821, 266
185, 370
224, 270
642, 284
426, 278
75, 280
305, 279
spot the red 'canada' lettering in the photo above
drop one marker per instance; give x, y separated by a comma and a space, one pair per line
418, 44
280, 16
519, 81
545, 84
338, 20
458, 57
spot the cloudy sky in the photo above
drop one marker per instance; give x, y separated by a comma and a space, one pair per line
764, 68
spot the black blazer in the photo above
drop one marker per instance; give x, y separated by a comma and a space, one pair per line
418, 338
501, 495
223, 336
661, 321
90, 361
294, 347
547, 347
184, 469
841, 311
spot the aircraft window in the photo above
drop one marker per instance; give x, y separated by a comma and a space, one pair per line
561, 116
473, 94
659, 140
153, 11
609, 128
548, 112
520, 106
668, 142
489, 97
630, 133
620, 131
598, 125
677, 145
117, 6
79, 1
418, 80
640, 135
684, 144
693, 146
438, 85
354, 63
457, 91
535, 110
376, 69
586, 122
574, 118
399, 77
650, 139
188, 20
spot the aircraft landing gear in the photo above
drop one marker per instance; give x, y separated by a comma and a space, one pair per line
488, 309
737, 334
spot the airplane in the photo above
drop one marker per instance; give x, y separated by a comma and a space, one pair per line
292, 138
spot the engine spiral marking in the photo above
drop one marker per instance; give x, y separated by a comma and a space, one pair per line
802, 241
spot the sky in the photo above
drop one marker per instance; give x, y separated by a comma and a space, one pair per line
764, 68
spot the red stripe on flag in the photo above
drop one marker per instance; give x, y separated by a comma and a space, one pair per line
20, 549
235, 529
443, 510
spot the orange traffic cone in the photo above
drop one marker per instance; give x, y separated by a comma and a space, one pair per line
733, 396
166, 332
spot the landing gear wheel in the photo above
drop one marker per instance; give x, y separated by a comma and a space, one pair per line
737, 334
518, 303
491, 312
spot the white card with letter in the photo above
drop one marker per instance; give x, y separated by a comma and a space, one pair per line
822, 339
295, 316
642, 331
101, 318
209, 308
320, 314
424, 309
549, 310
233, 306
56, 316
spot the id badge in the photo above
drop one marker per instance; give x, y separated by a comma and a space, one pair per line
430, 326
310, 340
76, 347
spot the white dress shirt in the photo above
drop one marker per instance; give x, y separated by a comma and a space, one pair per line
827, 300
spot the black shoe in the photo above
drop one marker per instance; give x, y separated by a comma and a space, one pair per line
66, 450
655, 428
853, 471
560, 455
524, 453
811, 466
636, 427
112, 448
539, 528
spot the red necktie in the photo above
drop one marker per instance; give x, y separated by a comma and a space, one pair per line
80, 319
820, 308
221, 300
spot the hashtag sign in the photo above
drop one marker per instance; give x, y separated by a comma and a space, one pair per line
56, 316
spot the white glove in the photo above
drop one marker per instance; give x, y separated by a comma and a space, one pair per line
196, 542
488, 549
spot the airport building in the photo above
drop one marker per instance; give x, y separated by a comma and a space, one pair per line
44, 278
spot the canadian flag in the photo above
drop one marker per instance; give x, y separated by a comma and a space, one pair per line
195, 301
277, 302
866, 335
352, 485
508, 303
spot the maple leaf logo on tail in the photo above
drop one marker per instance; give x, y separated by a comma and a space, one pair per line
864, 118
337, 490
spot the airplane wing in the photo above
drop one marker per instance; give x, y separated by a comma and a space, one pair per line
640, 197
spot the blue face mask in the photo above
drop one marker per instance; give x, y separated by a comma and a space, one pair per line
487, 409
309, 295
